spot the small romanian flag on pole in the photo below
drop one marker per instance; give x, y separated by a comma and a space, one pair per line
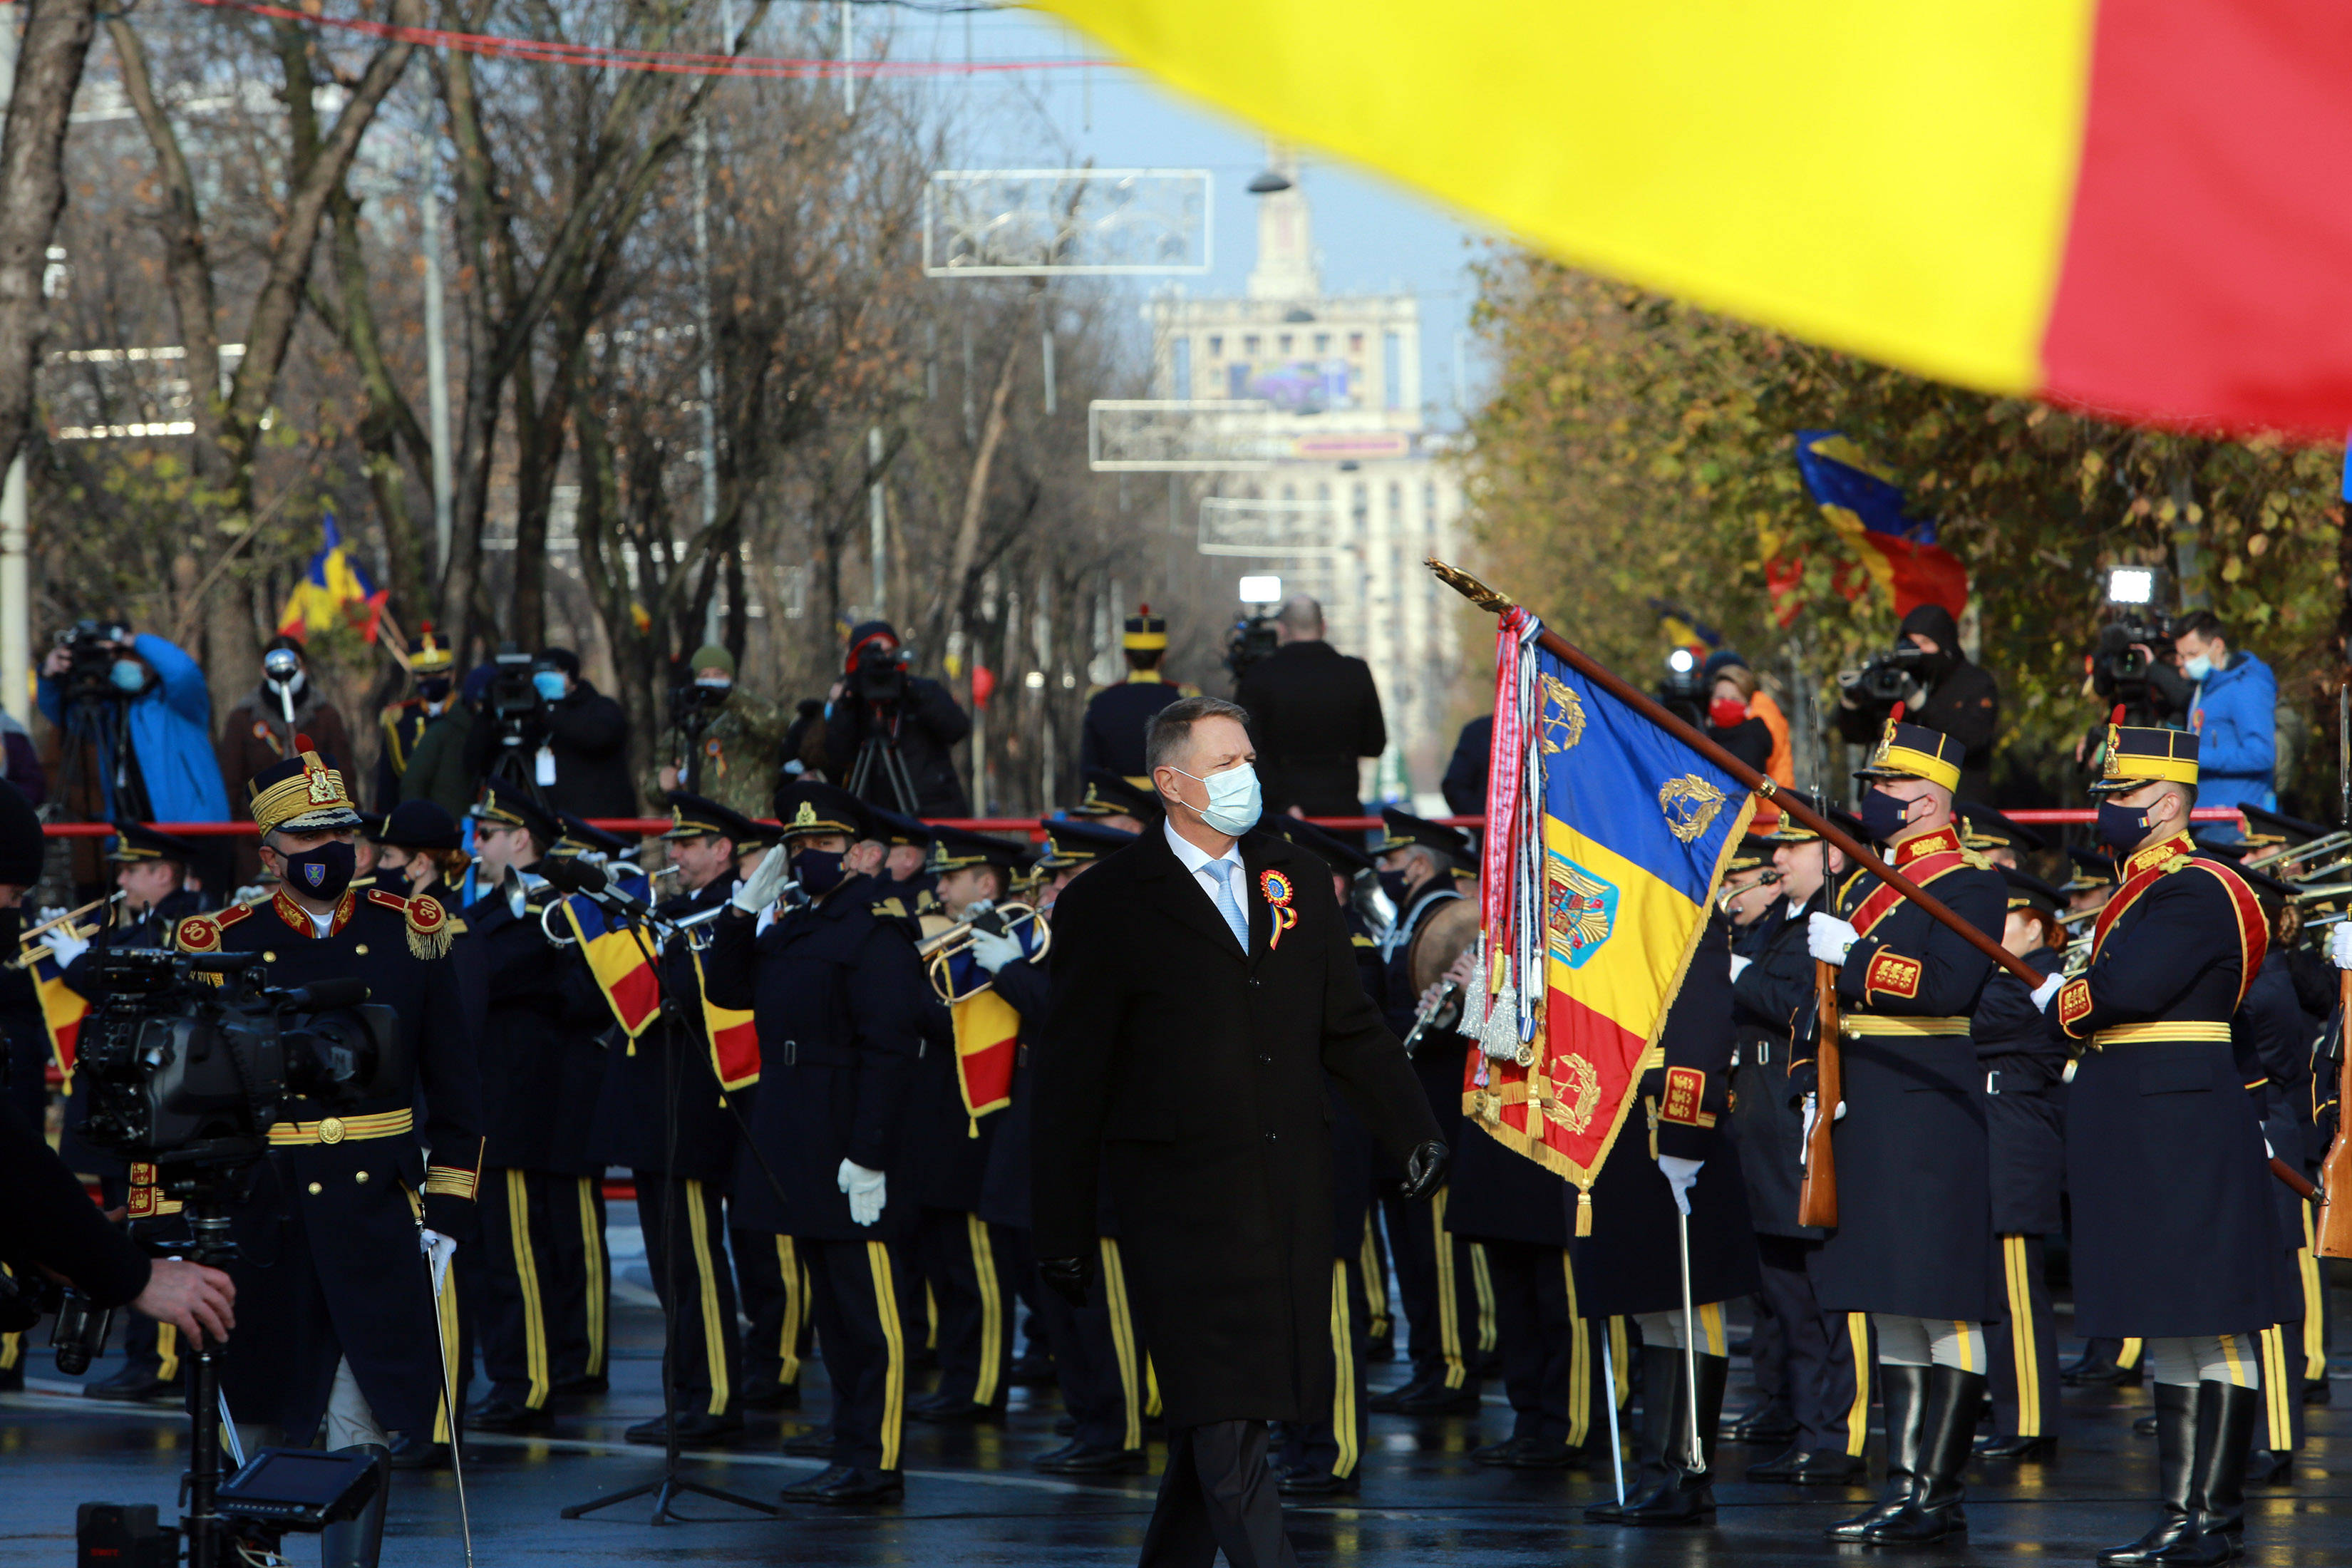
62, 1010
1609, 839
335, 590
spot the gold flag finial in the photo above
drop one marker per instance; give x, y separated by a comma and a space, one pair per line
1469, 588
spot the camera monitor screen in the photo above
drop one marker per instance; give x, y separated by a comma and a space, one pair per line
305, 1480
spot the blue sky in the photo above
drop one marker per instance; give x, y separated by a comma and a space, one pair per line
1375, 236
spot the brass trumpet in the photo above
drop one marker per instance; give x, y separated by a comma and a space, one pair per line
71, 919
999, 919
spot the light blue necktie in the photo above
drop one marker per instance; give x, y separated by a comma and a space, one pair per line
1226, 907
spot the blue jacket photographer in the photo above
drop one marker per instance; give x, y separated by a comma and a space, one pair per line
2234, 712
167, 717
575, 739
877, 698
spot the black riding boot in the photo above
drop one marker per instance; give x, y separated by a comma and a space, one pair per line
1955, 1400
1904, 1391
356, 1542
1662, 1395
2217, 1478
2177, 1408
1688, 1495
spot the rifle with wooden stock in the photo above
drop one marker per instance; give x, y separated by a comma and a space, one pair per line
1817, 1198
2334, 1222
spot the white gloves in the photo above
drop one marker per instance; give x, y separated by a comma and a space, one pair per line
864, 1187
993, 950
438, 1250
765, 884
2339, 945
1682, 1174
2049, 988
1739, 964
1810, 1101
1827, 937
67, 946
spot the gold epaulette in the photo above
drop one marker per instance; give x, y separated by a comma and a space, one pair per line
430, 928
1360, 940
202, 933
890, 908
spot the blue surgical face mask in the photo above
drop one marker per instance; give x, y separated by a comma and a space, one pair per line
548, 683
1236, 801
2197, 668
128, 675
2121, 827
1884, 816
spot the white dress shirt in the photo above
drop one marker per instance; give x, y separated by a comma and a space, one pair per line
1207, 872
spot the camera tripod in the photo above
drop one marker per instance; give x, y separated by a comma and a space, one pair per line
879, 752
97, 736
203, 1527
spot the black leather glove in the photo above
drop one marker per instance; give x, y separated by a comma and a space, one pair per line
1069, 1275
1424, 1170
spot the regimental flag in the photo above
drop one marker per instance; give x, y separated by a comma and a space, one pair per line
618, 957
987, 1044
1867, 507
734, 1040
336, 591
2131, 208
1616, 872
62, 1010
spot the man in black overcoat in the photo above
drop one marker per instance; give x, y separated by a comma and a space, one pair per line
1204, 985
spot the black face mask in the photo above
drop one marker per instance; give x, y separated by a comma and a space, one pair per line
434, 689
1392, 884
818, 870
1934, 667
1884, 816
2121, 827
322, 873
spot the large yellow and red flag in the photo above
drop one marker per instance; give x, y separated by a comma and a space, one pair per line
734, 1038
617, 959
2136, 206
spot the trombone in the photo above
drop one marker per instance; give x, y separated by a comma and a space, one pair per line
998, 920
71, 919
2307, 850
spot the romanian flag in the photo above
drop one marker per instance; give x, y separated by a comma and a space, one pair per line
987, 1044
329, 590
734, 1039
618, 959
2134, 206
1865, 505
1618, 837
62, 1010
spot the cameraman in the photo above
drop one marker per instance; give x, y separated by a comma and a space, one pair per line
722, 742
1313, 713
2234, 714
167, 720
575, 742
876, 687
1945, 693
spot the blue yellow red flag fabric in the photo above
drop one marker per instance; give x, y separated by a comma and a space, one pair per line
62, 1010
987, 1044
734, 1038
1865, 505
618, 959
1617, 835
332, 584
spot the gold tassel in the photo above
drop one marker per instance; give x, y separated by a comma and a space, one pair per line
1584, 1211
971, 1127
429, 927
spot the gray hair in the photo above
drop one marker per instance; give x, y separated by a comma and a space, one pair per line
1171, 729
1301, 617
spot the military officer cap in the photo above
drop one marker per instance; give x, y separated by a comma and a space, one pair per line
809, 806
2092, 869
2137, 755
429, 653
420, 824
2267, 888
579, 835
1915, 751
1071, 841
2273, 827
1344, 856
1982, 827
1404, 829
953, 848
505, 805
895, 829
1110, 794
1754, 852
1144, 632
2028, 891
371, 826
135, 843
697, 816
1789, 830
301, 794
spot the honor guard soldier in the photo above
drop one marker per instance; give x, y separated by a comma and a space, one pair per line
903, 880
2023, 1063
1914, 1242
946, 1142
2175, 1239
838, 996
1826, 1411
431, 671
1113, 802
420, 851
1437, 1273
1097, 1362
1111, 738
336, 1307
542, 1011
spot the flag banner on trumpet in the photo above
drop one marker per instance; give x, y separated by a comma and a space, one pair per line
619, 960
1612, 836
987, 1044
734, 1040
62, 1009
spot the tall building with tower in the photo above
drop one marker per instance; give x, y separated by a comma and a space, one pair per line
1345, 488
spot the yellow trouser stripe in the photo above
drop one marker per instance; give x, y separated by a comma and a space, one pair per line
2023, 1354
1343, 1390
1376, 1285
592, 1239
2275, 1405
1708, 1319
444, 1307
1579, 1361
2129, 1357
1482, 1284
2233, 1357
167, 1351
1449, 1316
1151, 1388
893, 1382
1122, 1339
992, 1310
534, 1317
1621, 1354
706, 1272
1857, 1414
788, 1353
931, 1316
2314, 1304
1971, 1337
